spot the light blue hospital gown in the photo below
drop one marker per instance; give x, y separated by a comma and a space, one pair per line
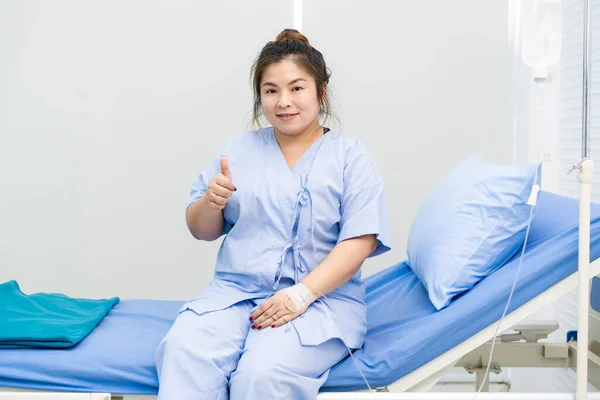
280, 224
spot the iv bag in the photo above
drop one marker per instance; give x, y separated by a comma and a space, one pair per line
541, 32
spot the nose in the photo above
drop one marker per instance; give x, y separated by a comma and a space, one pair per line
283, 101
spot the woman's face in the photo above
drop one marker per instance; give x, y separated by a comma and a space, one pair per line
289, 98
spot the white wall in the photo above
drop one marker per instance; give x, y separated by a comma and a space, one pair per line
109, 110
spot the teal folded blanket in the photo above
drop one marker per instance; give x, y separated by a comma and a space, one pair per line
47, 320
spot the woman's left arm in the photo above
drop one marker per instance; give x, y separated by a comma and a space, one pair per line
337, 268
344, 260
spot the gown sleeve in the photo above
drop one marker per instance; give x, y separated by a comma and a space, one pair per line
364, 206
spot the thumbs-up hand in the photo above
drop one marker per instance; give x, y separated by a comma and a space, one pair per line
221, 188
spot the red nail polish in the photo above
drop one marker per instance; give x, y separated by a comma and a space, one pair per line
273, 326
251, 319
253, 326
259, 327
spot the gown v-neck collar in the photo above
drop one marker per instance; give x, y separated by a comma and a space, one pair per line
302, 159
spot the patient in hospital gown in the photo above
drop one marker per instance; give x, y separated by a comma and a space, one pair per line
301, 207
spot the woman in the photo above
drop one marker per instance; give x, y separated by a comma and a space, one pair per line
302, 207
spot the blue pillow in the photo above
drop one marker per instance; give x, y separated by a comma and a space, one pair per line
473, 222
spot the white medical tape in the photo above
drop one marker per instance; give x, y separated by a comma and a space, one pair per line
300, 295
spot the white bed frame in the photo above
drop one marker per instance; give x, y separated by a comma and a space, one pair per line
342, 396
517, 346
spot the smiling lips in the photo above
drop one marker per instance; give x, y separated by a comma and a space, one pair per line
286, 117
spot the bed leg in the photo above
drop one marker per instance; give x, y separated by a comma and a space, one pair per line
482, 377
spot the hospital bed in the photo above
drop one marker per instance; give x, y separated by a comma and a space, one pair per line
409, 344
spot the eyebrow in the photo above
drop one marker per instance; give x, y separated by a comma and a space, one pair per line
291, 83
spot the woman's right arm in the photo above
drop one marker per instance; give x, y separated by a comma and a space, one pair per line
204, 217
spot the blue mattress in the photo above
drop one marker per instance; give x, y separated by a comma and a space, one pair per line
405, 331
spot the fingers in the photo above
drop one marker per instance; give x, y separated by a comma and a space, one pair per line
216, 200
259, 314
281, 321
269, 318
223, 181
218, 189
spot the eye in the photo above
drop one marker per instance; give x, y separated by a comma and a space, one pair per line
270, 91
298, 88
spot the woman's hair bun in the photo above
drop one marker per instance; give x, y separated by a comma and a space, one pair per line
289, 34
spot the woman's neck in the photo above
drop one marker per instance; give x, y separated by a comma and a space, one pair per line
305, 138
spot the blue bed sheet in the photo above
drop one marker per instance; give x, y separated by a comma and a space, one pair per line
117, 357
405, 330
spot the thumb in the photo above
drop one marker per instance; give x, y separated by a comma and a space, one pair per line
225, 167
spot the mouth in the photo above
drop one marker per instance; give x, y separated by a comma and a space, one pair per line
286, 117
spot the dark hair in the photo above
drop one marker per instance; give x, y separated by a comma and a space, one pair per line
291, 44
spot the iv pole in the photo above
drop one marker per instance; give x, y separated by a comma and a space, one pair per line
585, 169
